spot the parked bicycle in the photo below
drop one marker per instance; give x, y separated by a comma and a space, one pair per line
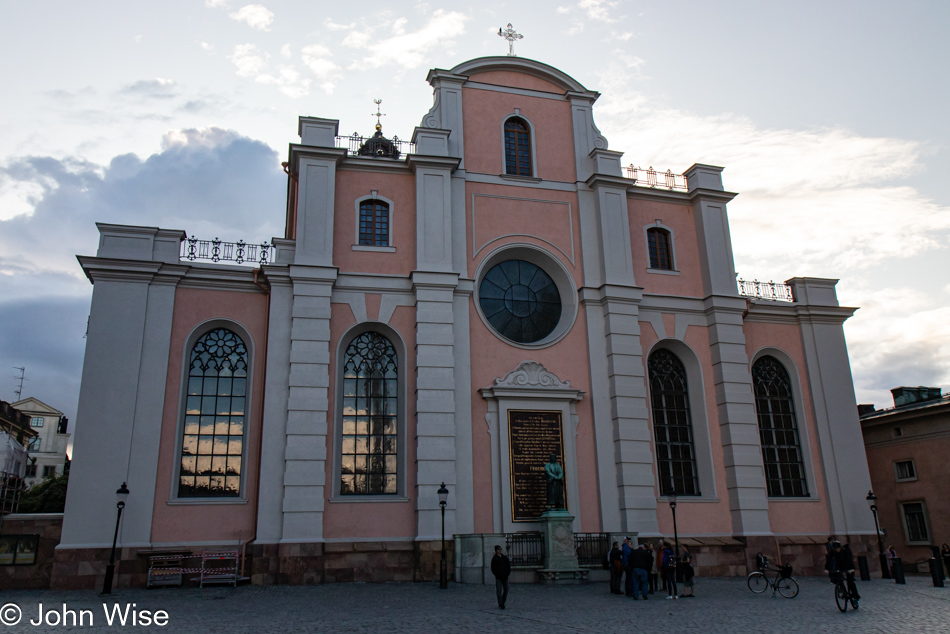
782, 582
842, 596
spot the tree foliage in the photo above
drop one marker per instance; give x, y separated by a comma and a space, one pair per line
48, 496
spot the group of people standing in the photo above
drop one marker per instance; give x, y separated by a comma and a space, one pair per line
638, 568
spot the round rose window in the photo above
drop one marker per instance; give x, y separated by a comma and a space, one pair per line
520, 301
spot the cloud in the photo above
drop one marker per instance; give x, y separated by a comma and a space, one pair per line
151, 89
256, 16
208, 48
209, 182
285, 50
330, 25
404, 48
214, 4
315, 58
252, 63
596, 10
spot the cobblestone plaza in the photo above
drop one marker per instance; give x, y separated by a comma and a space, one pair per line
721, 605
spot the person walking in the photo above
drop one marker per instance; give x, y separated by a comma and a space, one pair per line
654, 568
627, 550
945, 554
641, 560
616, 568
891, 556
668, 568
689, 573
501, 568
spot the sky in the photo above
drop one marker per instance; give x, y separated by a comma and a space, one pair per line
829, 118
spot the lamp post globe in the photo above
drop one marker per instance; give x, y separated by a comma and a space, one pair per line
443, 565
872, 503
121, 495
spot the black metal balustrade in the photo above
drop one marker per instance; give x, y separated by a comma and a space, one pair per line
591, 548
215, 250
525, 549
773, 291
355, 142
651, 178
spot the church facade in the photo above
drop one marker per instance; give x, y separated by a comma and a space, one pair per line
451, 312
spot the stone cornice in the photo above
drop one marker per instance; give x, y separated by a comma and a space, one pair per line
434, 279
605, 180
610, 292
657, 194
297, 152
711, 194
97, 268
220, 278
372, 164
416, 161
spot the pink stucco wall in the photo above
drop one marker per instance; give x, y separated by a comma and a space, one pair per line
515, 80
401, 190
215, 521
484, 112
679, 218
367, 520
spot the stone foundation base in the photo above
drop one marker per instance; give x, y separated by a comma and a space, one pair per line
559, 577
735, 556
267, 564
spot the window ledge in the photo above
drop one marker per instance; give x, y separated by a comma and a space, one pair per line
914, 479
203, 501
924, 543
687, 498
523, 179
663, 271
807, 498
363, 247
349, 499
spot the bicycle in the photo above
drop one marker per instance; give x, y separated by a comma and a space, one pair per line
842, 595
783, 582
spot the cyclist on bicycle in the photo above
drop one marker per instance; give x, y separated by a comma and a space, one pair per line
842, 561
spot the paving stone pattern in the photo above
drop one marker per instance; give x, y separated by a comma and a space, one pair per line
722, 605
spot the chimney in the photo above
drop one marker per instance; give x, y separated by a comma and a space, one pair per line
865, 408
908, 395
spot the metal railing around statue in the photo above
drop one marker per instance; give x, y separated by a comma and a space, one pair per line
651, 178
525, 549
217, 251
773, 291
354, 142
591, 548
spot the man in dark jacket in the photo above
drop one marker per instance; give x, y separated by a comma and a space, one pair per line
501, 568
627, 550
616, 568
641, 561
842, 561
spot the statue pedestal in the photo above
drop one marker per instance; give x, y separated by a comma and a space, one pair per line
560, 557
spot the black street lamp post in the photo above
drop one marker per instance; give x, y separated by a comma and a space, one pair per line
676, 540
443, 565
872, 502
120, 495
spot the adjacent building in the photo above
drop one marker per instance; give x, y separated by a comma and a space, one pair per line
47, 450
451, 311
907, 448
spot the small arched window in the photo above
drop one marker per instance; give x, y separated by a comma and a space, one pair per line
374, 223
517, 148
212, 446
370, 445
778, 429
661, 249
672, 425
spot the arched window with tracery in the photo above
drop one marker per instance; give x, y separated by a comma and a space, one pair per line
778, 429
517, 148
660, 248
370, 442
374, 223
672, 425
212, 448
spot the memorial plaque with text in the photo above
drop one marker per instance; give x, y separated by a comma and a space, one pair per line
532, 436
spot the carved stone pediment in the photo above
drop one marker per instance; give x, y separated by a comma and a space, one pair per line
530, 374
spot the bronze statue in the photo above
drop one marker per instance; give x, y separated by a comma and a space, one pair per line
555, 477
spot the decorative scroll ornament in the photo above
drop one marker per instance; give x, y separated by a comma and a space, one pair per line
510, 35
529, 373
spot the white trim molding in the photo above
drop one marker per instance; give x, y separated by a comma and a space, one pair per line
390, 247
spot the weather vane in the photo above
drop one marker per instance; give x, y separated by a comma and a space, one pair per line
378, 114
510, 35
